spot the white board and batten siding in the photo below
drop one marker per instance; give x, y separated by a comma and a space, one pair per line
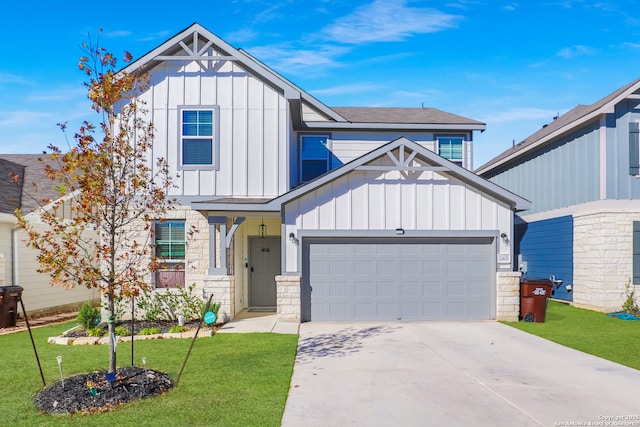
254, 127
376, 201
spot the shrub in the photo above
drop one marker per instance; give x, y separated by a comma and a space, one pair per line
122, 331
88, 316
169, 304
177, 328
630, 305
95, 332
212, 306
149, 331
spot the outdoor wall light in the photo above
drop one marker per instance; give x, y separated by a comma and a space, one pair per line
400, 231
262, 230
292, 239
504, 238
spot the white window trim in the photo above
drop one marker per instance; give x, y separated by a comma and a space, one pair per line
215, 149
465, 143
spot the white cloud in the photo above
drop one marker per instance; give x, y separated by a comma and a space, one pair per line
121, 33
385, 20
577, 50
242, 35
348, 89
154, 36
12, 78
22, 118
520, 114
296, 61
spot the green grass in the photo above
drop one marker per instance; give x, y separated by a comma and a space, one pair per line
590, 332
229, 380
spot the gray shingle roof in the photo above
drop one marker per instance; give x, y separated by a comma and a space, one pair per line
401, 115
569, 121
33, 185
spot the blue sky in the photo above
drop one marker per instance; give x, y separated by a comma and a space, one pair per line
512, 65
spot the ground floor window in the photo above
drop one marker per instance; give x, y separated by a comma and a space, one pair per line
170, 252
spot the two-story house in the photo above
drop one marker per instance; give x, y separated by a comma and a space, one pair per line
581, 173
18, 263
320, 213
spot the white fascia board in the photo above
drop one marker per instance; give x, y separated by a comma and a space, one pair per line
6, 218
516, 202
395, 126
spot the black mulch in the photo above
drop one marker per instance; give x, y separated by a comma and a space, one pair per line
163, 326
76, 394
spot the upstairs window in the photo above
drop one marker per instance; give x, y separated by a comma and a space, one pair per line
450, 147
315, 156
198, 129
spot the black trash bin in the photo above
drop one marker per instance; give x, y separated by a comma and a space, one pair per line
9, 298
534, 295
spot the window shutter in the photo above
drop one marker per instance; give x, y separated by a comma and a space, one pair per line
634, 150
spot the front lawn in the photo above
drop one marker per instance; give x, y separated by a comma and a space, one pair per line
590, 332
229, 380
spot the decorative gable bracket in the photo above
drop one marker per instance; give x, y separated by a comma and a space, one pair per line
196, 52
403, 162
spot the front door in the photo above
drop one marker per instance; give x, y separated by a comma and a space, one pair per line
264, 266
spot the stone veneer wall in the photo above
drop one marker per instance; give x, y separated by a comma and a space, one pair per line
288, 297
223, 290
602, 257
508, 295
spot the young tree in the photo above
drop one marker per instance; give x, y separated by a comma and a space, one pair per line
109, 193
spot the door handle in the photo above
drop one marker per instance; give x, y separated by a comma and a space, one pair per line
252, 269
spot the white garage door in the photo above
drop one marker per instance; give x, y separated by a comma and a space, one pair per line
398, 279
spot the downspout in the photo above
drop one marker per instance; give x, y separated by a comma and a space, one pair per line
14, 257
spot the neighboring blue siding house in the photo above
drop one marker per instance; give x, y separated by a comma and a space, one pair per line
581, 173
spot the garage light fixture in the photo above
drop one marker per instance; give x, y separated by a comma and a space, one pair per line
292, 239
400, 231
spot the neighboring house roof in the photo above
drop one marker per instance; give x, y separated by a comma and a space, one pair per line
32, 186
567, 123
11, 192
338, 118
443, 165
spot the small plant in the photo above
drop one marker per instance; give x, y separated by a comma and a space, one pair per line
122, 331
149, 331
212, 306
88, 316
177, 328
95, 332
630, 305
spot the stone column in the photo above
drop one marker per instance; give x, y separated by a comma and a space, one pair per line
288, 298
508, 295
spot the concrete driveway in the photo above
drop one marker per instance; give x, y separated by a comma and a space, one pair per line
452, 374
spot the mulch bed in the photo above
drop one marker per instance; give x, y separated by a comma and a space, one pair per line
163, 326
92, 392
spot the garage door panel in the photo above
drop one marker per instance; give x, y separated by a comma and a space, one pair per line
369, 280
410, 289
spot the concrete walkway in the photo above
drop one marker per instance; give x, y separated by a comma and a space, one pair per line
451, 374
258, 322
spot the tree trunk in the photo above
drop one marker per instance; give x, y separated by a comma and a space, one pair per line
112, 329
